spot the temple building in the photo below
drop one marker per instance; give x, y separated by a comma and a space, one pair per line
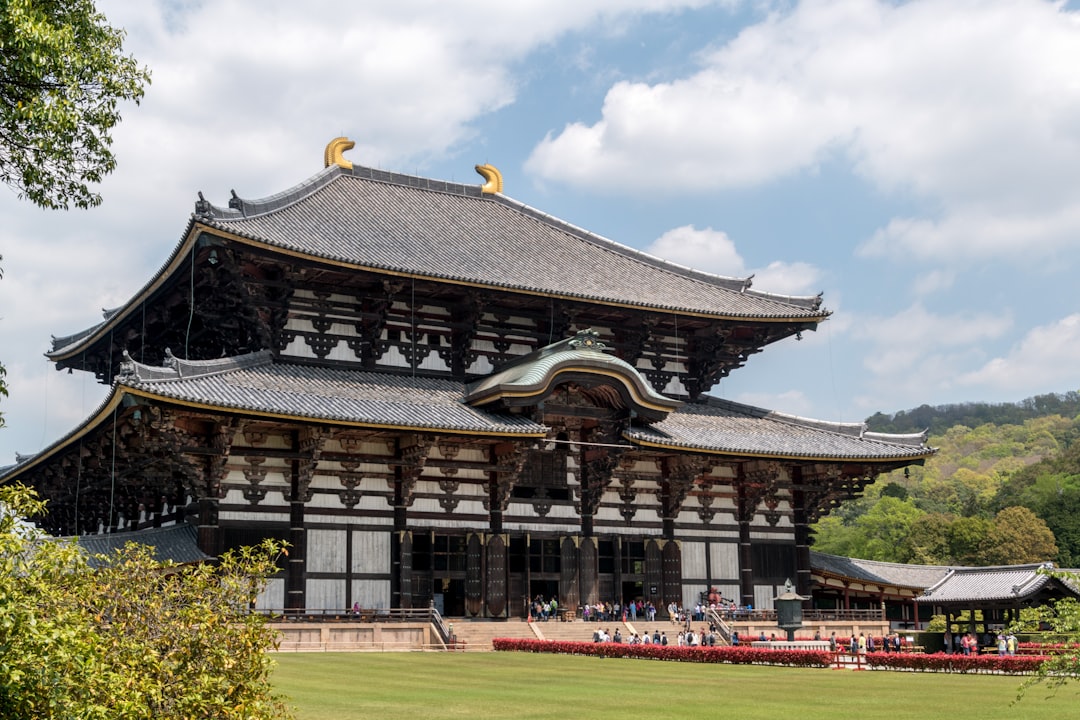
439, 395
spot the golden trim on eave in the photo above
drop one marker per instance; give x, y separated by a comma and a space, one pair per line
333, 153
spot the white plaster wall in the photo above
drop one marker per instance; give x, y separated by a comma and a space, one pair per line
764, 594
325, 595
693, 559
371, 552
325, 551
273, 596
725, 560
371, 593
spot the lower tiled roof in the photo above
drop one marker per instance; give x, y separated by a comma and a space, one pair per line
899, 574
721, 426
255, 384
1013, 582
175, 543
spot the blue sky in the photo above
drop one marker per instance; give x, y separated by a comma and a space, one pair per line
916, 162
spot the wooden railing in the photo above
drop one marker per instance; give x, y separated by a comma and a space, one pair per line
737, 615
358, 615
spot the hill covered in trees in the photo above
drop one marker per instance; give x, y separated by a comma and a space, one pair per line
939, 418
1003, 488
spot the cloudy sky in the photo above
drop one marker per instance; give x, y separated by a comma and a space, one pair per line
917, 162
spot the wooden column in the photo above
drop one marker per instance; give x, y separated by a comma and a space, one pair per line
800, 519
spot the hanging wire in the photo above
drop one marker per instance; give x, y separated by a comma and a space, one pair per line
551, 323
142, 335
412, 322
678, 356
191, 306
112, 473
78, 486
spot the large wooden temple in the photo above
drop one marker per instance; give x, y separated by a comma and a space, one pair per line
437, 394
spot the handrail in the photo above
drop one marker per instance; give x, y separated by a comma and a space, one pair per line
357, 615
441, 628
721, 626
738, 615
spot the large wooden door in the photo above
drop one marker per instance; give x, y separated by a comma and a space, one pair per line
496, 576
474, 575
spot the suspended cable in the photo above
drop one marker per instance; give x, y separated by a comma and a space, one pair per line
112, 473
191, 306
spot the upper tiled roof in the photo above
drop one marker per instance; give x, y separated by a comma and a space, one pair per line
1013, 582
176, 543
255, 384
898, 574
722, 426
441, 230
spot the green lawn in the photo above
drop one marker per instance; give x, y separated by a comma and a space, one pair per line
344, 686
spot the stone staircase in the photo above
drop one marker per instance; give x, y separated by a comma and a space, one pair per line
476, 635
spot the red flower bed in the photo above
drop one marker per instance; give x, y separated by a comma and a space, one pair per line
941, 662
735, 655
1037, 648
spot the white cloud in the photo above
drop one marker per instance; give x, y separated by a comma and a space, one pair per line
713, 251
971, 106
918, 345
933, 281
792, 402
1047, 359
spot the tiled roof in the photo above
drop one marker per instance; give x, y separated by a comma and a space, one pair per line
722, 426
178, 543
449, 231
1014, 582
898, 574
253, 383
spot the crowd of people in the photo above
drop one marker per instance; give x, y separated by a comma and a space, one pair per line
968, 643
612, 611
657, 637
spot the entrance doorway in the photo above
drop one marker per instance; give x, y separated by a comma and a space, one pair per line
452, 594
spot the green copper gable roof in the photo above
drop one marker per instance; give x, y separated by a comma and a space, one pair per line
531, 377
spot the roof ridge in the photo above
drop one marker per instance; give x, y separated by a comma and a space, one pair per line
241, 208
180, 369
851, 429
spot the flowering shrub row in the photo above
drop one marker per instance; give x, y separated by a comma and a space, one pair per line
940, 662
1047, 648
735, 655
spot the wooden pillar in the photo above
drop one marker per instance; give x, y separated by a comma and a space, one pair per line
569, 587
803, 572
746, 570
210, 540
295, 577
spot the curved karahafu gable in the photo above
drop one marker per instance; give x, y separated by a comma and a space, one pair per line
528, 380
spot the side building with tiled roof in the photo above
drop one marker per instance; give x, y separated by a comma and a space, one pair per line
439, 395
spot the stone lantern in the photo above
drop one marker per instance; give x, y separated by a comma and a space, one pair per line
789, 610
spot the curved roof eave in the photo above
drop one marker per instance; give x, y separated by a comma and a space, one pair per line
81, 340
809, 457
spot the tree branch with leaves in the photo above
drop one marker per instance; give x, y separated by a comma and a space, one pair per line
63, 73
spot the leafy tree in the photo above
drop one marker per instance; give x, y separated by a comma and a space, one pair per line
884, 528
927, 542
1017, 536
123, 636
1063, 619
966, 536
62, 75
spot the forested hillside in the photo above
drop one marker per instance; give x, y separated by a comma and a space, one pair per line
999, 491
